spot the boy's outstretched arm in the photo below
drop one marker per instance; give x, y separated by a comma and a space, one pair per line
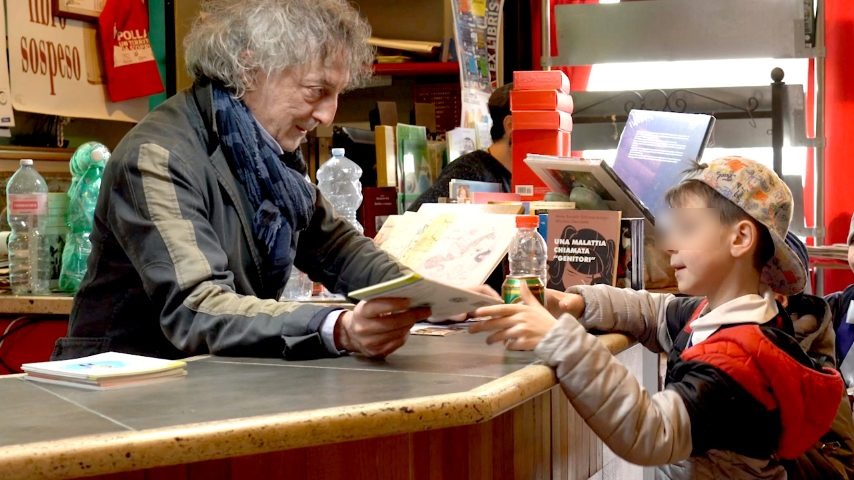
637, 313
642, 428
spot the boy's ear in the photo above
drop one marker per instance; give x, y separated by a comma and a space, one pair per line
508, 125
744, 239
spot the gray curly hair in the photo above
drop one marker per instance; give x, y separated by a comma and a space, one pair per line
232, 40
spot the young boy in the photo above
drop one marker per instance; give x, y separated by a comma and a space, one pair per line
843, 321
740, 392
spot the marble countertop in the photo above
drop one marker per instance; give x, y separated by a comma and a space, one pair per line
239, 406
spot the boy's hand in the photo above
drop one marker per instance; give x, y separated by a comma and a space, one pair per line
558, 303
481, 289
521, 326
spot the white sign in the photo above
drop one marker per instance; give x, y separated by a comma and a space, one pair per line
55, 66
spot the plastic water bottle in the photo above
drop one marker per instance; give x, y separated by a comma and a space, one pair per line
87, 166
338, 180
26, 207
527, 258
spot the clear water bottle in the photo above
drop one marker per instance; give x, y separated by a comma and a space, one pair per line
26, 208
338, 180
527, 256
87, 166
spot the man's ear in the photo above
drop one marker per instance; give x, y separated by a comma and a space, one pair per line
508, 125
744, 239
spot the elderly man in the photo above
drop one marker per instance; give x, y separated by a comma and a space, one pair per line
203, 212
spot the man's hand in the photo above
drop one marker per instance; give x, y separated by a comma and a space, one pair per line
558, 303
375, 328
521, 326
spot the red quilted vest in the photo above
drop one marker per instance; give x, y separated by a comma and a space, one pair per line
806, 399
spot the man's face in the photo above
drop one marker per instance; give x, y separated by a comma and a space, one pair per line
291, 103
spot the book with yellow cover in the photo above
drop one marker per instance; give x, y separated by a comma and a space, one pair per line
444, 300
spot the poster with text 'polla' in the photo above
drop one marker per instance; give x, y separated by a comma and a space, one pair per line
55, 66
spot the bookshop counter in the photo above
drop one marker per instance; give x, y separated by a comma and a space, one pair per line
440, 407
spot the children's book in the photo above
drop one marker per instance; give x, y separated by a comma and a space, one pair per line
590, 183
463, 244
414, 175
582, 247
105, 370
460, 191
656, 149
443, 299
378, 203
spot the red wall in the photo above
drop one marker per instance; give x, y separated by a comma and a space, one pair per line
839, 131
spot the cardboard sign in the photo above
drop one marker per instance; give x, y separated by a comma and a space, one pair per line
55, 67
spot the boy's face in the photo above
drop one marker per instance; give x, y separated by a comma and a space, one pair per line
698, 244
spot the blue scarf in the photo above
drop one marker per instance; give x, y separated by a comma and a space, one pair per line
281, 197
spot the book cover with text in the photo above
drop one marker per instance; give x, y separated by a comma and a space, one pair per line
582, 247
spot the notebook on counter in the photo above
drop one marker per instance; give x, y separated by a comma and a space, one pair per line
105, 371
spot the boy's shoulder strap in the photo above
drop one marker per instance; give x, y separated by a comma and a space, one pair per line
680, 313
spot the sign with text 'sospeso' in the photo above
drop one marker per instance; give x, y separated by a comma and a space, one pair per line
55, 66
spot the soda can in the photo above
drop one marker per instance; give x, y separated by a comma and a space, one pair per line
510, 289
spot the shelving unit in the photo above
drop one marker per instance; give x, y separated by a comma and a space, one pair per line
417, 68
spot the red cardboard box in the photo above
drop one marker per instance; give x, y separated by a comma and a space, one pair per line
544, 142
541, 120
540, 100
541, 80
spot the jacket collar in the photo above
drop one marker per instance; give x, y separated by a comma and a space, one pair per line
756, 309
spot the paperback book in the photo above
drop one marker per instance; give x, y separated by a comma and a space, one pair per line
105, 370
582, 247
443, 299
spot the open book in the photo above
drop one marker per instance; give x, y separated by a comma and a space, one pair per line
105, 370
455, 242
444, 300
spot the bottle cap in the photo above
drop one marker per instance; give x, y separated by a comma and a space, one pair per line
337, 152
26, 161
527, 221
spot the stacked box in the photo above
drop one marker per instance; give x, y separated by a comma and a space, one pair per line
542, 123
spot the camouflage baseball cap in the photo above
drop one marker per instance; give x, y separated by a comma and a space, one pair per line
758, 191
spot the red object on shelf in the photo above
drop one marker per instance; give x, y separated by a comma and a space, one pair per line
540, 80
417, 68
540, 100
541, 120
544, 142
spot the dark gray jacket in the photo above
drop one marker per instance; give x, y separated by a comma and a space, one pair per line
174, 270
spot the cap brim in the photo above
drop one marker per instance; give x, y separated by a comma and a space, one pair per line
784, 273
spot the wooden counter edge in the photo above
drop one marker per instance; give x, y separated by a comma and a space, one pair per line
124, 451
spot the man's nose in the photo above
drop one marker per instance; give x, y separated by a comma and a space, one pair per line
325, 111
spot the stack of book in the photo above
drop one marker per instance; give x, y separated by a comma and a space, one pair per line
105, 370
542, 124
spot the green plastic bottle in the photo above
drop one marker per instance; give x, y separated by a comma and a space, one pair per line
87, 166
